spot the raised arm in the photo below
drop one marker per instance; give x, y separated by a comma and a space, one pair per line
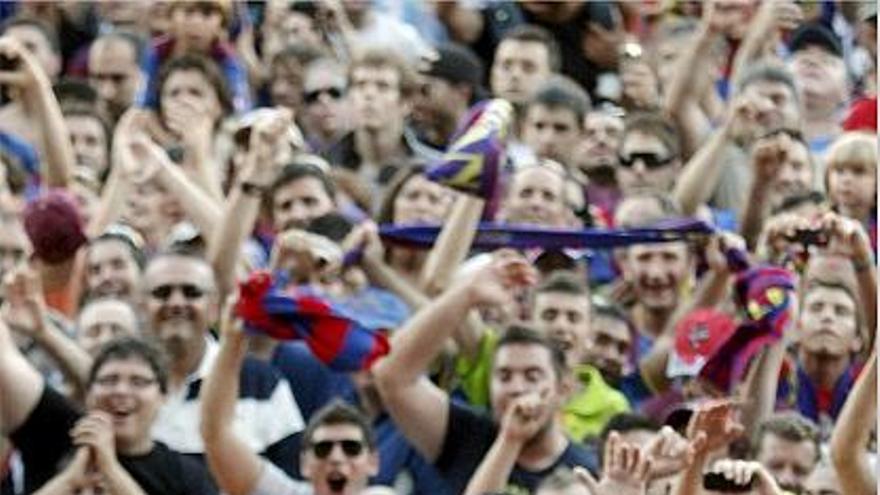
235, 467
243, 205
418, 407
20, 384
682, 103
25, 311
40, 102
852, 432
191, 121
764, 32
768, 156
701, 174
848, 238
521, 421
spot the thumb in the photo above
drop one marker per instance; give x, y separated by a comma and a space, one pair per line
585, 478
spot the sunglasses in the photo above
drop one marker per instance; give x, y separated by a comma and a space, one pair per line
314, 95
651, 160
351, 448
189, 291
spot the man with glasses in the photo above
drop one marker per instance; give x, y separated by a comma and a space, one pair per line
649, 154
181, 304
325, 119
111, 446
338, 452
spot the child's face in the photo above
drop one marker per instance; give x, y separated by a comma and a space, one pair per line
852, 185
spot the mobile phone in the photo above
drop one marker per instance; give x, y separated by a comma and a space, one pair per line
810, 237
630, 51
719, 483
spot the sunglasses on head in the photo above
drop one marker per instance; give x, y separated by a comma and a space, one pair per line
651, 160
189, 291
351, 448
313, 96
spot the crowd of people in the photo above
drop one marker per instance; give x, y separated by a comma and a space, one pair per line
229, 263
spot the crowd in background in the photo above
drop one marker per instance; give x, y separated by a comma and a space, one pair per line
159, 161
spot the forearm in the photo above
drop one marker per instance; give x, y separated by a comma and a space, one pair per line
681, 102
206, 177
382, 275
701, 174
75, 363
690, 482
852, 432
492, 474
452, 245
220, 389
752, 220
60, 160
20, 384
224, 249
200, 207
866, 277
111, 203
759, 395
422, 339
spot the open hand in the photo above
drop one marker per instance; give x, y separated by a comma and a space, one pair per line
713, 427
24, 308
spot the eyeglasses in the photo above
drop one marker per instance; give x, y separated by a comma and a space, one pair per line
314, 95
189, 291
351, 448
651, 160
137, 382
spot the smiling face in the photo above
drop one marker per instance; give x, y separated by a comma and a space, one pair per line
111, 270
180, 303
338, 461
128, 390
657, 272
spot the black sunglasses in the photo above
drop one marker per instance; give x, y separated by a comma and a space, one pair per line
189, 291
351, 448
651, 160
313, 96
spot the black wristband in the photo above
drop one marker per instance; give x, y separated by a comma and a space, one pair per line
253, 189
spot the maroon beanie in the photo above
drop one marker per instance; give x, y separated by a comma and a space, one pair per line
54, 226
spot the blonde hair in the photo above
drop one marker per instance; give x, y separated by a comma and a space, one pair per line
851, 147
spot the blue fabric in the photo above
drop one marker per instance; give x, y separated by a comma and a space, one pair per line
803, 393
27, 157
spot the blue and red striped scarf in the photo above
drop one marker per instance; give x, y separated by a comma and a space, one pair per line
334, 336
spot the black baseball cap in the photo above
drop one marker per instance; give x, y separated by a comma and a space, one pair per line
816, 34
457, 64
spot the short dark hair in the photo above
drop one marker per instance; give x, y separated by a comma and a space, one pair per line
520, 334
203, 65
295, 171
767, 72
299, 53
789, 426
46, 30
562, 92
607, 309
74, 92
798, 199
566, 282
338, 412
123, 348
667, 208
657, 125
537, 34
